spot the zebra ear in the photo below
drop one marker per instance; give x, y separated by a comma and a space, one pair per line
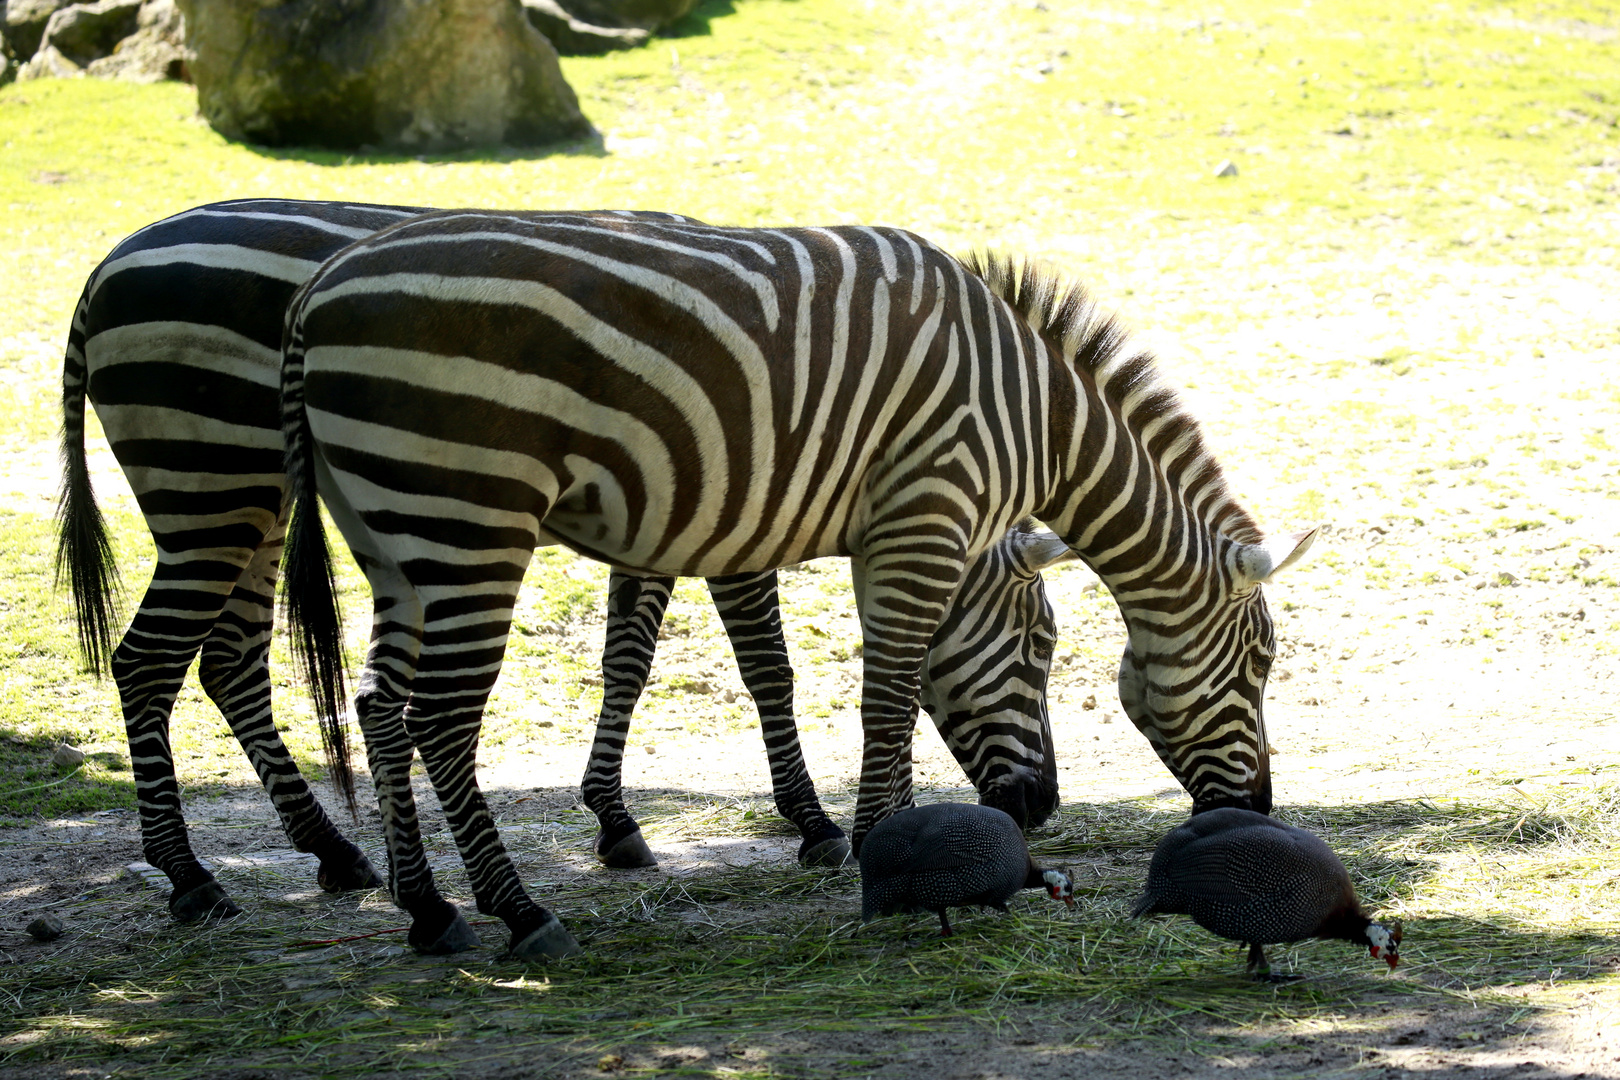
1041, 548
1259, 563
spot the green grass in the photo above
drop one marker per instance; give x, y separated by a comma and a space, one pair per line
746, 956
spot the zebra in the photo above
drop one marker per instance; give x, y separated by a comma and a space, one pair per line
984, 685
671, 399
176, 338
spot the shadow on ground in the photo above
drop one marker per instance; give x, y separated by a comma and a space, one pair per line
729, 960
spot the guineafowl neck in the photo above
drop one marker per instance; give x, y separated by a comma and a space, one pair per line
1346, 924
1033, 878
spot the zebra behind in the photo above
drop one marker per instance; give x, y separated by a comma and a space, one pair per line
677, 399
176, 338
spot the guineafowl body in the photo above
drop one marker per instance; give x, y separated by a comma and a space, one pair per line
930, 858
1250, 878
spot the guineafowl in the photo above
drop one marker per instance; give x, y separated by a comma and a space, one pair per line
930, 858
1244, 876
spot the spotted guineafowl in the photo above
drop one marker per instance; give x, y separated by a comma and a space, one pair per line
1247, 877
930, 858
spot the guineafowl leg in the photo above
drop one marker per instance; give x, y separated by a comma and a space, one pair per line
944, 924
1260, 967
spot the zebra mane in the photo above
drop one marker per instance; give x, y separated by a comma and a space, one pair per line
1069, 321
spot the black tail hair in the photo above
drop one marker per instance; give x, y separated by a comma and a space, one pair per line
83, 550
308, 587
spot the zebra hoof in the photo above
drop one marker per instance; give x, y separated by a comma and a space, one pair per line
834, 852
349, 874
459, 936
551, 941
630, 853
205, 901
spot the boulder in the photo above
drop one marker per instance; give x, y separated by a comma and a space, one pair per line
24, 25
575, 37
154, 52
402, 75
76, 35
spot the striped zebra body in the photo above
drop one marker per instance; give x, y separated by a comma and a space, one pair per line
676, 399
177, 341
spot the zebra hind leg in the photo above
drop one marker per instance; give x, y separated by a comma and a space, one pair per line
443, 720
636, 607
235, 674
149, 668
750, 608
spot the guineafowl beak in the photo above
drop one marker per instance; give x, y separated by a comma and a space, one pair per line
1385, 944
1059, 886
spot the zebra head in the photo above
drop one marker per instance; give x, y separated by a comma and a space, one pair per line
1193, 681
985, 680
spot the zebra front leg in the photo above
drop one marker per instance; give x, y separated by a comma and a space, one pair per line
149, 667
750, 608
636, 607
900, 610
235, 673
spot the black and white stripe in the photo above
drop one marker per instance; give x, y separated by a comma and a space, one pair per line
176, 339
676, 399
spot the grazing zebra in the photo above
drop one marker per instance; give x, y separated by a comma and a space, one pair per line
177, 340
984, 684
676, 399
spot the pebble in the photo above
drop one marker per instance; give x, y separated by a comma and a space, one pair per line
1226, 168
46, 928
67, 757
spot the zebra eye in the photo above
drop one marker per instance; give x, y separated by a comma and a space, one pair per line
1042, 646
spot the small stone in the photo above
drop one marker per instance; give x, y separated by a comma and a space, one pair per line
1090, 702
651, 749
610, 1063
1506, 577
46, 928
1226, 168
67, 757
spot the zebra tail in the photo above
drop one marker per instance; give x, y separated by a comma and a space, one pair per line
83, 550
308, 587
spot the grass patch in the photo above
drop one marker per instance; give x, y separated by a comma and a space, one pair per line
746, 955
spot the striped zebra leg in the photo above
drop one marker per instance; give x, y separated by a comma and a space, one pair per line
636, 607
149, 667
750, 608
903, 586
439, 632
235, 673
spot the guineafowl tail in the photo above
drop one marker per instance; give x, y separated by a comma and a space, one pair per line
82, 547
308, 589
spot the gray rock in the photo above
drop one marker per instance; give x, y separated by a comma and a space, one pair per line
574, 37
401, 75
67, 757
154, 52
24, 25
46, 928
1226, 168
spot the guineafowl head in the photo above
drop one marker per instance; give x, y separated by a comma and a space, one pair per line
1384, 942
1059, 886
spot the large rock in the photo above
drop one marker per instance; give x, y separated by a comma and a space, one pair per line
24, 24
77, 35
154, 52
409, 75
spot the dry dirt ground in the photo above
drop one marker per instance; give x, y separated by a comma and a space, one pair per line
1454, 637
